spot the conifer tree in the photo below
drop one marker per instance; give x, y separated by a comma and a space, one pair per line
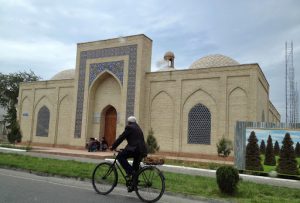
253, 161
224, 147
287, 163
9, 91
276, 148
262, 147
151, 143
270, 156
297, 149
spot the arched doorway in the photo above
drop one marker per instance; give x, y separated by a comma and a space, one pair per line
110, 125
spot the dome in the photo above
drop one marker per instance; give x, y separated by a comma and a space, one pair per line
65, 74
216, 60
169, 55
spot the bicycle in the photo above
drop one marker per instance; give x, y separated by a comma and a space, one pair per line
149, 180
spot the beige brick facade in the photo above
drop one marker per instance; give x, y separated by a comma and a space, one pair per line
58, 97
116, 73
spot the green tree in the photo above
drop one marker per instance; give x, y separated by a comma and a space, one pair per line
287, 163
253, 161
262, 147
224, 147
270, 156
9, 91
297, 149
276, 148
151, 142
14, 134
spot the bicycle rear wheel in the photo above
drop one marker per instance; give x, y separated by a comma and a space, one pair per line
150, 184
104, 178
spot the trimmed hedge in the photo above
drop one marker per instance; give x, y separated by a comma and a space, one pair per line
227, 179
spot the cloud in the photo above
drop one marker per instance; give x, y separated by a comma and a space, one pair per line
43, 34
46, 56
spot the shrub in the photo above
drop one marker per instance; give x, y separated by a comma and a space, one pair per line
270, 157
151, 142
276, 148
253, 161
287, 163
262, 147
224, 147
14, 134
297, 149
227, 179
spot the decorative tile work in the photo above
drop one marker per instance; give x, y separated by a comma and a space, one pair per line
199, 126
116, 67
43, 119
131, 51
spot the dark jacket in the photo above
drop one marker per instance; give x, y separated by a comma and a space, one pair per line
135, 138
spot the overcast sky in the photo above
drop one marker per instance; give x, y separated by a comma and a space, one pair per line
42, 35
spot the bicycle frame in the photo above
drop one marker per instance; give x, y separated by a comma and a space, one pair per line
141, 183
117, 166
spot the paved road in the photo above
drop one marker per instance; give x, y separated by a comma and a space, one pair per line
17, 186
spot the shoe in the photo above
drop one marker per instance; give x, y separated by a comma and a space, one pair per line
128, 183
130, 188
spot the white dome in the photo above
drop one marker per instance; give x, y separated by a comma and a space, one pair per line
65, 74
215, 60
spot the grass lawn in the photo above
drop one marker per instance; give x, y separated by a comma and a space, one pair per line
176, 183
273, 168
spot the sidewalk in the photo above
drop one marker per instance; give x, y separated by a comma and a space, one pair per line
72, 152
108, 154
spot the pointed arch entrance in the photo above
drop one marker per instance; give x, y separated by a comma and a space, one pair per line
105, 99
110, 125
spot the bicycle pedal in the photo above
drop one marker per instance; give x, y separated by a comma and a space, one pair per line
130, 188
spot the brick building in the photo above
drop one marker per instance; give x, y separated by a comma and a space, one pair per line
189, 110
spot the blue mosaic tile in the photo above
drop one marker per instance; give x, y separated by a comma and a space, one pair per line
131, 51
115, 67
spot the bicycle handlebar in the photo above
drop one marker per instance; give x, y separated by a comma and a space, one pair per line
118, 151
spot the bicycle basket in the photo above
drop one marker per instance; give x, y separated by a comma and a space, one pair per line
153, 161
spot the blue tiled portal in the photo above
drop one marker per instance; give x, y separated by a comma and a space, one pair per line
131, 52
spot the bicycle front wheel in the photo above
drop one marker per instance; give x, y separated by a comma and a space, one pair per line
104, 178
150, 184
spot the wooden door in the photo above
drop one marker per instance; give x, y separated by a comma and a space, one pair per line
110, 125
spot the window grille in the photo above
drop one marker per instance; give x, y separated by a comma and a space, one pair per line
43, 119
199, 125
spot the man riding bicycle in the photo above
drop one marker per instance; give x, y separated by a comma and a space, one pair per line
136, 147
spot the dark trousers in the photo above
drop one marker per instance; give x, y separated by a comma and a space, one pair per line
122, 158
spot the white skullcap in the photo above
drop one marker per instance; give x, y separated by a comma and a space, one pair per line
131, 119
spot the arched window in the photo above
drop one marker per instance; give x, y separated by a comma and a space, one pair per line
43, 119
199, 126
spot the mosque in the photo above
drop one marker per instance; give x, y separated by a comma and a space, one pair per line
189, 110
